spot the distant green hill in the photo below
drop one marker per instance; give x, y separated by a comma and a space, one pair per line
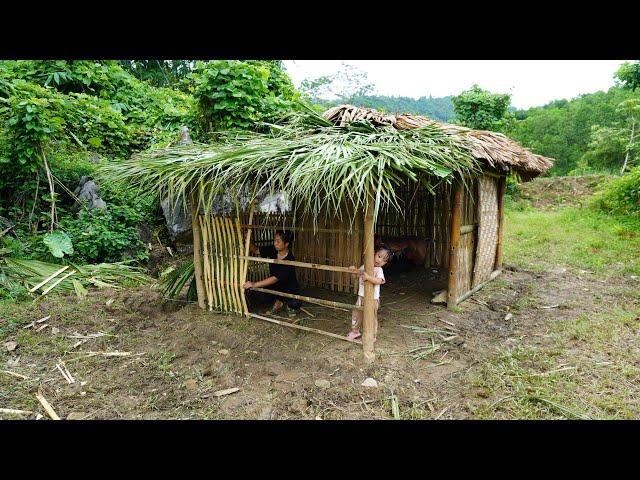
440, 108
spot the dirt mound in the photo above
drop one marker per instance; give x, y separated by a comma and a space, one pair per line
554, 192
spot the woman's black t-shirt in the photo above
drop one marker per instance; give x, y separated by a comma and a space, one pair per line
286, 274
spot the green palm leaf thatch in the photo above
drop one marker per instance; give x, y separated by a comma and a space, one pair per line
322, 167
43, 277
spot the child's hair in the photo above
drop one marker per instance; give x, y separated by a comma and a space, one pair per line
285, 236
382, 246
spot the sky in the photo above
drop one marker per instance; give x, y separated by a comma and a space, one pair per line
530, 82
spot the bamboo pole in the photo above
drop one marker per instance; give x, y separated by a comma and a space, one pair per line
369, 313
318, 301
233, 263
300, 327
242, 272
502, 187
197, 252
222, 304
297, 264
245, 265
453, 245
493, 275
206, 260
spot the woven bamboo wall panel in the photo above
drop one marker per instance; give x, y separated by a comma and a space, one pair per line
487, 229
467, 242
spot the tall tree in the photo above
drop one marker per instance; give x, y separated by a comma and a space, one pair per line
480, 109
628, 75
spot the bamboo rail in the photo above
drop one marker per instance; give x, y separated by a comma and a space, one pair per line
298, 229
301, 327
295, 263
318, 301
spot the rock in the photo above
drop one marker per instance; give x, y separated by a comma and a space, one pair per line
11, 346
299, 405
191, 384
185, 139
508, 317
224, 352
76, 415
178, 220
144, 232
321, 383
266, 413
88, 190
439, 297
55, 330
369, 382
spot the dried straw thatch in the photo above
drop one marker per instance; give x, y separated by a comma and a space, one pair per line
499, 151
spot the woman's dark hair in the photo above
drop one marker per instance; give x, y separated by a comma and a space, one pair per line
285, 236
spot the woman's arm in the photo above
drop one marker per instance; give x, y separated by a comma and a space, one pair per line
262, 283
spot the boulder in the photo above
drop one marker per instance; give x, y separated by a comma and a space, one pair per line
88, 190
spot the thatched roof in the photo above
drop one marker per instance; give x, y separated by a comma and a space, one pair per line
497, 150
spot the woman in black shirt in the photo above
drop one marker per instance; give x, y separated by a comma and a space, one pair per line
282, 277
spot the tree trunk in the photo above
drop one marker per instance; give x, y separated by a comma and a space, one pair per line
51, 190
626, 157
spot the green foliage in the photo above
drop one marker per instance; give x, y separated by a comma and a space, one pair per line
568, 130
237, 94
622, 195
105, 235
159, 73
629, 74
480, 109
59, 243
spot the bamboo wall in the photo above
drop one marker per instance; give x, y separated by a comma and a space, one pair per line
335, 242
332, 243
468, 238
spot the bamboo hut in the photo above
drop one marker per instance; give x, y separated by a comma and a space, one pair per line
349, 174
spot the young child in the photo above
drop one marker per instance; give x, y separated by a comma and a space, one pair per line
381, 257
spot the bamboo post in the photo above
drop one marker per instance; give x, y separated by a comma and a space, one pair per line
197, 252
502, 187
369, 313
453, 246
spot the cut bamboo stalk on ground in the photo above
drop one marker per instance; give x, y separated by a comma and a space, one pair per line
44, 292
45, 281
19, 375
13, 411
48, 408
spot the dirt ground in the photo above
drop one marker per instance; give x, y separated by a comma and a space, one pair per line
133, 355
177, 357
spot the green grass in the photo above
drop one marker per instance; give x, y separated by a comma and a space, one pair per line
589, 370
572, 238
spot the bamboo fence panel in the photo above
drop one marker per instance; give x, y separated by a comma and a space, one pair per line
488, 222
